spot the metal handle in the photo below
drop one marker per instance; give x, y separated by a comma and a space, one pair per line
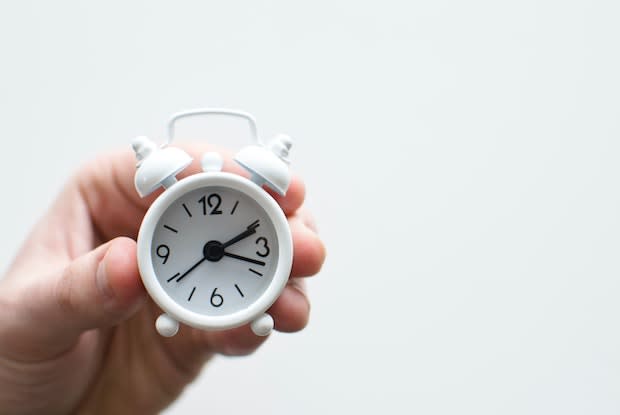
213, 111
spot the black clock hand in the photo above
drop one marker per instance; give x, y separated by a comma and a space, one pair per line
251, 229
191, 269
253, 261
214, 250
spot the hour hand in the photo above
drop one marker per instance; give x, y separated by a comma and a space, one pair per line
251, 229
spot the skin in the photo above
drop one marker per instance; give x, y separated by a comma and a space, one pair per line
77, 327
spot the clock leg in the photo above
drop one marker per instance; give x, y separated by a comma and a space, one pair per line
166, 325
263, 325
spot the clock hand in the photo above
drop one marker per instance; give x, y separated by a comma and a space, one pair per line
253, 261
251, 229
191, 269
214, 250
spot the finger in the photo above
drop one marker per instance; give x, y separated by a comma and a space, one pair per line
107, 186
291, 311
98, 289
294, 198
308, 249
239, 341
308, 219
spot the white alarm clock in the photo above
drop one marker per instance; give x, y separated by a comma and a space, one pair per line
214, 249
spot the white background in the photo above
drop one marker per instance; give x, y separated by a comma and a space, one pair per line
461, 159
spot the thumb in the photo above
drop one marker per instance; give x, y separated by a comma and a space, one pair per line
99, 289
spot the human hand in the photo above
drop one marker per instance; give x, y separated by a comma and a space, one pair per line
77, 330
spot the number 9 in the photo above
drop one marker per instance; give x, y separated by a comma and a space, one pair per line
163, 252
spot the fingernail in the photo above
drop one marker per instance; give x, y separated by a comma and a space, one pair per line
300, 286
311, 224
102, 281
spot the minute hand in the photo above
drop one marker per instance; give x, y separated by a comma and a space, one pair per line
242, 258
251, 229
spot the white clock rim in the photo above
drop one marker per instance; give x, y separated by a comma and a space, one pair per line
149, 277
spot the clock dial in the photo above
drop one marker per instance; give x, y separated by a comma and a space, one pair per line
214, 250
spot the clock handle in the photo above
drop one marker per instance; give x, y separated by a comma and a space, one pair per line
213, 111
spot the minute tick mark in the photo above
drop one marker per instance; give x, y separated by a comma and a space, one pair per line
232, 212
187, 210
239, 290
190, 294
173, 277
255, 272
170, 228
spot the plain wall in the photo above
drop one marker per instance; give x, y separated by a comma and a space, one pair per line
461, 159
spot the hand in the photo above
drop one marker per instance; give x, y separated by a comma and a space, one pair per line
77, 330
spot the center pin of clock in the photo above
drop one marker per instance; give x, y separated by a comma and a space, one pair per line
213, 251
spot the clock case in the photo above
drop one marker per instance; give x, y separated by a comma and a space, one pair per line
158, 166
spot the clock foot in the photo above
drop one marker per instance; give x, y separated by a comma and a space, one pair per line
263, 325
166, 325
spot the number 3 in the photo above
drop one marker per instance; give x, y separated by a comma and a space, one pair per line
264, 245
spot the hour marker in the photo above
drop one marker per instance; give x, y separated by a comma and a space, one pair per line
173, 277
239, 290
187, 210
190, 294
255, 272
170, 228
234, 208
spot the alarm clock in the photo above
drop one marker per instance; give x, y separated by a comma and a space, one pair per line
214, 249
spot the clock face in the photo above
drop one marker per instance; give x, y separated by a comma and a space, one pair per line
214, 250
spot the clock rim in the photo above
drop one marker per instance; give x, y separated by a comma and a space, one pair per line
156, 290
